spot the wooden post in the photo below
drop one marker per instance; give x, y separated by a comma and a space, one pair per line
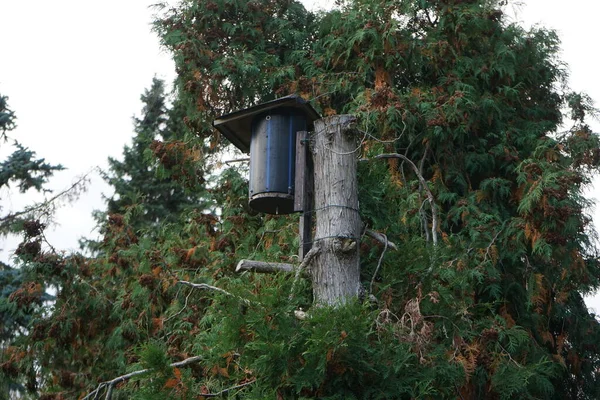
335, 267
303, 193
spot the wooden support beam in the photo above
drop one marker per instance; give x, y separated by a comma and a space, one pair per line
303, 192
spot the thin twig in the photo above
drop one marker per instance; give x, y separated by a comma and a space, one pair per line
206, 286
386, 141
307, 259
183, 308
431, 198
378, 264
487, 250
422, 210
227, 390
380, 237
46, 202
110, 384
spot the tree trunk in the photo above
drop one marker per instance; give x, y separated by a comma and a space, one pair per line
335, 268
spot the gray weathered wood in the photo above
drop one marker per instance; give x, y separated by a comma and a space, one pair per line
303, 193
301, 172
335, 269
261, 266
380, 238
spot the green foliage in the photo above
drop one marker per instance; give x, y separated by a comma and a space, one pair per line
161, 173
494, 310
7, 117
19, 299
23, 168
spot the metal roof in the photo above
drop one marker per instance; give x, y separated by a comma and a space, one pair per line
237, 126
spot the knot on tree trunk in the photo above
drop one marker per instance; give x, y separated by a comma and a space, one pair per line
344, 246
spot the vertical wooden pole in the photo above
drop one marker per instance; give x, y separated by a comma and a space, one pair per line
303, 193
335, 268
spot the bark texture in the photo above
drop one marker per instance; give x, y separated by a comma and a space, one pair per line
261, 266
335, 269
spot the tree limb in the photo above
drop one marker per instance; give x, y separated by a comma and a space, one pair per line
307, 259
109, 385
378, 264
261, 266
380, 237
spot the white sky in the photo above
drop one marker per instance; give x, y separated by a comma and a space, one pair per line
74, 71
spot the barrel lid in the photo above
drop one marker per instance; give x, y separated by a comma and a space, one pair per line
237, 126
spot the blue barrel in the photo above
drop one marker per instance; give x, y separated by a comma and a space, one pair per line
273, 159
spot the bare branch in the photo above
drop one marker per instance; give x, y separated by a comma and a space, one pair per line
380, 237
41, 205
222, 392
206, 286
378, 263
307, 259
109, 385
262, 266
487, 250
423, 182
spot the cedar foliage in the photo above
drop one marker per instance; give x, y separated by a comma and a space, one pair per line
494, 310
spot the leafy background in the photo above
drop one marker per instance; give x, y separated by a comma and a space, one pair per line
495, 309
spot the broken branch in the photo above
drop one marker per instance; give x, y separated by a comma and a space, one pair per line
264, 267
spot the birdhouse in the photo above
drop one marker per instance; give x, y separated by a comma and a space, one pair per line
268, 132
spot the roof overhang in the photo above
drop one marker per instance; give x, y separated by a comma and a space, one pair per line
237, 126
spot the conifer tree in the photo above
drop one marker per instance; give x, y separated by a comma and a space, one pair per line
140, 181
465, 168
23, 170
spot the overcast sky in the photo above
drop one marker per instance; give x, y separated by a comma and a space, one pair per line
74, 71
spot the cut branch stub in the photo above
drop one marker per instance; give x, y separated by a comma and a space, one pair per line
261, 266
335, 269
